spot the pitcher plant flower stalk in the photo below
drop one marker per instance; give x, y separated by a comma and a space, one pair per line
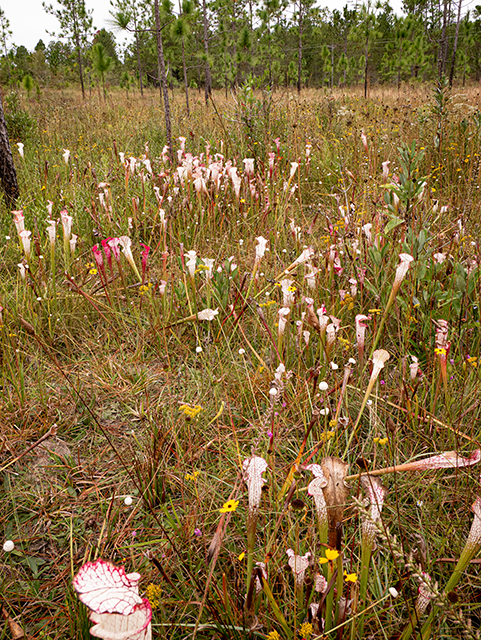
401, 272
379, 358
253, 468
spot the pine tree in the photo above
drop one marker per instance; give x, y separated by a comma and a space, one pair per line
76, 24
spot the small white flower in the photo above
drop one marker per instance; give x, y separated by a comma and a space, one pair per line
241, 352
198, 349
394, 592
273, 391
324, 412
323, 386
334, 366
241, 242
8, 546
128, 501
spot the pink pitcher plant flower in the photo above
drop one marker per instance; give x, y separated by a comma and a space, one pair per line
20, 146
299, 566
25, 240
361, 334
23, 270
113, 597
253, 468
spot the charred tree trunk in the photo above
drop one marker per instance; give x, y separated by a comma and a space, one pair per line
8, 175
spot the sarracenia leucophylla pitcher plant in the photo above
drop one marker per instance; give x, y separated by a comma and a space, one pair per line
253, 467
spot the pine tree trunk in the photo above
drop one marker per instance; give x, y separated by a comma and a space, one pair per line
455, 45
79, 52
208, 81
163, 80
8, 175
138, 59
185, 78
299, 68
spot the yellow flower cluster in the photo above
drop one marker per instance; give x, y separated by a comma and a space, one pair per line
381, 441
144, 288
190, 412
153, 593
192, 476
305, 630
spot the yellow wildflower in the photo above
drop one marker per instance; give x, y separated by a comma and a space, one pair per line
350, 577
230, 505
306, 630
331, 554
190, 412
153, 593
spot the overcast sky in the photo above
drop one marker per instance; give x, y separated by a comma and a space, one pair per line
30, 23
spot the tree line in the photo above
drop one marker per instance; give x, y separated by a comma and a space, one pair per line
205, 44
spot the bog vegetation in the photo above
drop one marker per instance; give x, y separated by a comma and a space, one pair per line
205, 347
